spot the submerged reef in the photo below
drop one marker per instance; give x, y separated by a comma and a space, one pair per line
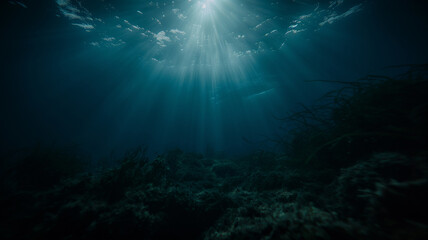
353, 166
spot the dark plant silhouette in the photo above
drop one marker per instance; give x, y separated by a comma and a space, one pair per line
375, 113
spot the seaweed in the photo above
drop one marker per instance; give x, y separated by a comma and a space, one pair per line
374, 113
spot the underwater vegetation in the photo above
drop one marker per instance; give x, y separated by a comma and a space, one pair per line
353, 166
374, 113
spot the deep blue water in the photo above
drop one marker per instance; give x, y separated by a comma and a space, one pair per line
202, 76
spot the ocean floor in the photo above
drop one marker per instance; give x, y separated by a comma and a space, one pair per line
353, 166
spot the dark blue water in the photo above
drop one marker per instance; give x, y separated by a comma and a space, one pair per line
197, 75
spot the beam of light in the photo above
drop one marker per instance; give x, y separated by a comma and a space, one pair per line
199, 67
204, 64
210, 46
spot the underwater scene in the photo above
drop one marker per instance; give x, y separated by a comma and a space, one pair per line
214, 119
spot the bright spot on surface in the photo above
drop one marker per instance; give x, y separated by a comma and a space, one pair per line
206, 4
